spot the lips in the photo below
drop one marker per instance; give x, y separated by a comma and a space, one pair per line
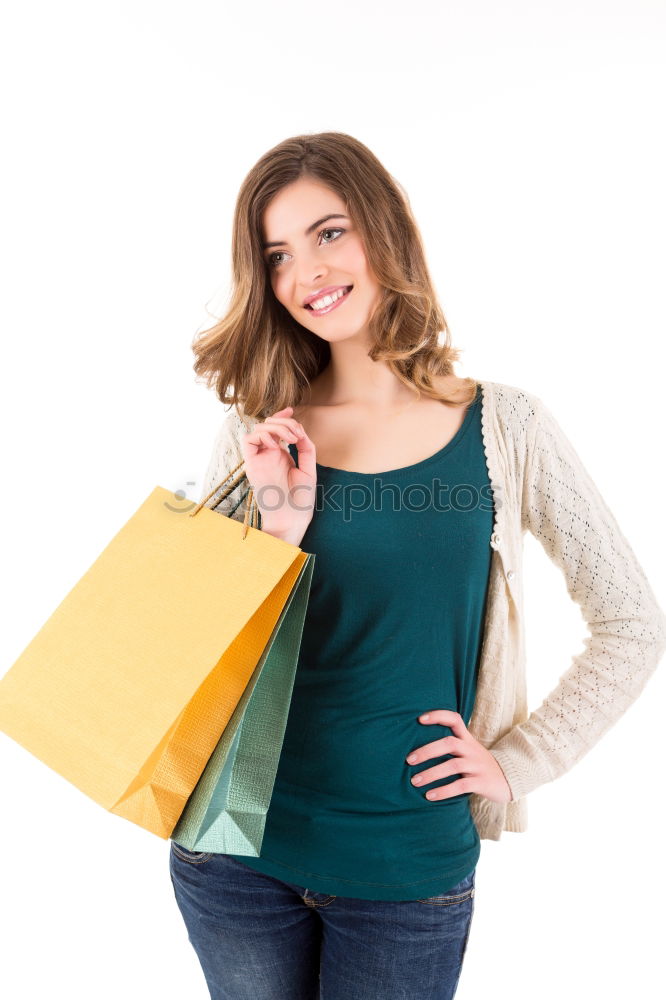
327, 291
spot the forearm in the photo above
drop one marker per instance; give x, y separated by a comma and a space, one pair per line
564, 510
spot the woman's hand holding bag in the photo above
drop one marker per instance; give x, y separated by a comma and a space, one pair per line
284, 492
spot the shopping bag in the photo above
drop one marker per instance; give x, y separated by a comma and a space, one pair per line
226, 812
128, 686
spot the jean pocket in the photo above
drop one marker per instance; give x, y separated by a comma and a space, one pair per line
192, 857
456, 894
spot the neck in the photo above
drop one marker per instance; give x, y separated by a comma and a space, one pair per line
353, 378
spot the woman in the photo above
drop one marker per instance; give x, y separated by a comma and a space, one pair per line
412, 487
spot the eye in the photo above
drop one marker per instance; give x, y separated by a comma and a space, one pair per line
322, 231
276, 263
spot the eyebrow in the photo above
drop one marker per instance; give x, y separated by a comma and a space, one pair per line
309, 230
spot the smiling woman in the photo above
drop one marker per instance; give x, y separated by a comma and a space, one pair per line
334, 331
321, 271
319, 213
408, 739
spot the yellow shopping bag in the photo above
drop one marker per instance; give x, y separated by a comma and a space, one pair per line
128, 686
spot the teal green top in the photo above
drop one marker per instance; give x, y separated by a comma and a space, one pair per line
393, 628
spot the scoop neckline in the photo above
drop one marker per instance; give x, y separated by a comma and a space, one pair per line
415, 466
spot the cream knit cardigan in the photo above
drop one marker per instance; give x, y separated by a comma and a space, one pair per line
539, 485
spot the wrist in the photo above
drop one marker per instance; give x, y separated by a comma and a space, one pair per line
292, 535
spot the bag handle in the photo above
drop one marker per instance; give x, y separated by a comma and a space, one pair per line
251, 518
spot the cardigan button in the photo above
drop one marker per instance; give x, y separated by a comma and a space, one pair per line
510, 575
494, 539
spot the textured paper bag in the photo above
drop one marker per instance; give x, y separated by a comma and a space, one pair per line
128, 686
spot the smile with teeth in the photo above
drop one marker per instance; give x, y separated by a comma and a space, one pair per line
326, 302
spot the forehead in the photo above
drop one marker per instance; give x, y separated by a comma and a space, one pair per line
296, 206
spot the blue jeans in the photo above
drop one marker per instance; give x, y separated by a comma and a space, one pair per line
259, 938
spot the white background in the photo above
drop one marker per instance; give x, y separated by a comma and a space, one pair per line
529, 137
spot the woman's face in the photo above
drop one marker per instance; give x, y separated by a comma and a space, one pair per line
303, 263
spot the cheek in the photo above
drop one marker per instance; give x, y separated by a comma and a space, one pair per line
283, 291
356, 260
279, 289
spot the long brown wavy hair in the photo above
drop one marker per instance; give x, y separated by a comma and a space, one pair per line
257, 356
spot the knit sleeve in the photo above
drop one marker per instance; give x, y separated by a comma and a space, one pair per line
225, 455
563, 509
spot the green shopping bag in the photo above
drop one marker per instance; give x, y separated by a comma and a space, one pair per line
226, 812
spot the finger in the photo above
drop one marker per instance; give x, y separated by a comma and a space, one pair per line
454, 766
286, 414
284, 422
459, 787
447, 744
280, 426
281, 413
268, 439
255, 440
446, 717
307, 456
271, 429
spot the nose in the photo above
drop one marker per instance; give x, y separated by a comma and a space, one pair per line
309, 272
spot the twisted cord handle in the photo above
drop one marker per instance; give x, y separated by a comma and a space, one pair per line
251, 518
